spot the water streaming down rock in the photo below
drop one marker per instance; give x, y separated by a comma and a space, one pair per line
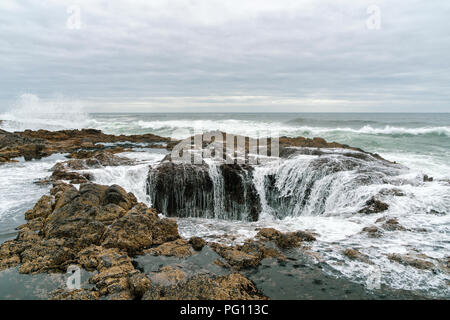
327, 184
207, 190
305, 182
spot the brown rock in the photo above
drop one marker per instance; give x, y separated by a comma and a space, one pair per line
374, 205
179, 248
41, 209
373, 232
202, 287
247, 255
168, 276
81, 294
197, 243
355, 255
409, 260
393, 225
269, 234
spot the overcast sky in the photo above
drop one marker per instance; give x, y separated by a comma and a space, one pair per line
225, 56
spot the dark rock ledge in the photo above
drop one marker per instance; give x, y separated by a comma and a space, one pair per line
43, 143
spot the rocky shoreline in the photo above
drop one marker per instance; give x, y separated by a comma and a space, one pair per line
131, 252
101, 229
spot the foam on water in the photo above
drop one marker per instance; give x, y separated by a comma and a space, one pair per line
132, 178
18, 193
179, 129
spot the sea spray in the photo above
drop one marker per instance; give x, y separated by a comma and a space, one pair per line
31, 112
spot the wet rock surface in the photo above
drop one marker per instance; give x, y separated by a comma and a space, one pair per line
42, 143
97, 228
188, 190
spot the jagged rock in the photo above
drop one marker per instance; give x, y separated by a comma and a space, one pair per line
393, 225
138, 230
10, 254
97, 159
45, 255
374, 205
42, 209
247, 255
373, 231
81, 294
69, 226
409, 260
269, 234
182, 190
179, 248
285, 240
202, 287
41, 143
138, 284
355, 255
197, 243
117, 195
114, 267
187, 190
168, 276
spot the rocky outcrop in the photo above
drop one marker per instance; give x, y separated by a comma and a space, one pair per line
179, 248
286, 240
72, 170
189, 190
374, 205
197, 243
42, 143
204, 287
100, 228
252, 252
412, 260
68, 220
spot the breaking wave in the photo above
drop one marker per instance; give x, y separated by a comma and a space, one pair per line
31, 112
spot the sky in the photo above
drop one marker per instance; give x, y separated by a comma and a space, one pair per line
227, 56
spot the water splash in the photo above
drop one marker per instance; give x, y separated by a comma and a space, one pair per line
31, 112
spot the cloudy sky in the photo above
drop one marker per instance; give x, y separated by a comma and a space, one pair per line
227, 56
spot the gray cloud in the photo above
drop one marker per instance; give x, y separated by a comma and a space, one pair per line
246, 55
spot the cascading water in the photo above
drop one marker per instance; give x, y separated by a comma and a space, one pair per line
218, 185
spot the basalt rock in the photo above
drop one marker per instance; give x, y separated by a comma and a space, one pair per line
286, 240
247, 255
189, 190
374, 205
70, 170
392, 225
179, 248
355, 255
410, 260
66, 222
197, 243
372, 232
203, 287
41, 143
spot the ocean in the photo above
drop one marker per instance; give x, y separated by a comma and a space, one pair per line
419, 143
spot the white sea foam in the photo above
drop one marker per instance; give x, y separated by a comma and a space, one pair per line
131, 178
16, 179
254, 128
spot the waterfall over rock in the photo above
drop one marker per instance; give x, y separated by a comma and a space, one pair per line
207, 190
304, 181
